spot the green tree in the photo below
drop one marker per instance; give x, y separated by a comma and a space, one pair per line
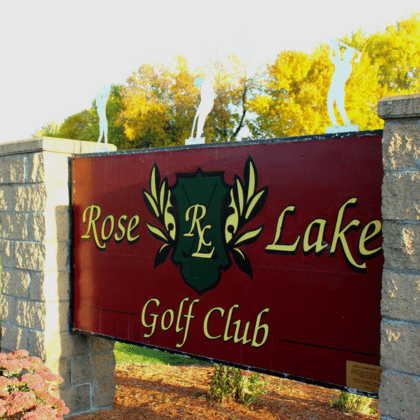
77, 126
51, 129
114, 107
85, 124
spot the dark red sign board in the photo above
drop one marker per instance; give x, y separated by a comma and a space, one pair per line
263, 254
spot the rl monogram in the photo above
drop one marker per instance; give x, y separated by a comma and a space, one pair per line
195, 223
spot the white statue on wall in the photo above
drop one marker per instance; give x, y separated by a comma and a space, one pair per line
343, 68
101, 100
206, 105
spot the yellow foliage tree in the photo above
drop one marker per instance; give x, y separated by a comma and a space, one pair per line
160, 102
291, 104
395, 53
294, 101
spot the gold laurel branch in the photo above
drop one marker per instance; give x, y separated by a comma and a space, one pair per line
152, 204
162, 255
242, 261
244, 208
249, 237
239, 194
163, 196
250, 178
157, 233
169, 219
158, 202
154, 181
256, 199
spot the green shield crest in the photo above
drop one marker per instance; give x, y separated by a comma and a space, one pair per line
200, 247
202, 222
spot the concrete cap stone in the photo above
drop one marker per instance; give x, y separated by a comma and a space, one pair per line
50, 144
403, 106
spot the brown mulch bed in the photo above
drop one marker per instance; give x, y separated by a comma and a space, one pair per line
178, 392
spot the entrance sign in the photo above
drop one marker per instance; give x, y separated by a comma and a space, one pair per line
263, 254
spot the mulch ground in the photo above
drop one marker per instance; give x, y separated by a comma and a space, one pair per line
178, 392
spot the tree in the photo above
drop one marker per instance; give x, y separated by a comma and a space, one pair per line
114, 107
294, 102
396, 53
295, 91
51, 129
77, 126
85, 124
160, 102
158, 105
234, 89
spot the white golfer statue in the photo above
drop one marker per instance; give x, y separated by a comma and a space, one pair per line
206, 105
101, 100
343, 68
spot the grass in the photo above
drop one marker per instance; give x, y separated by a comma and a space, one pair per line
351, 403
129, 353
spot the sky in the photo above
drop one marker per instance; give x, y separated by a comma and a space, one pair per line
56, 55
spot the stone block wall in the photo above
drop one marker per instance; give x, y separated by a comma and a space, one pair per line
35, 281
399, 394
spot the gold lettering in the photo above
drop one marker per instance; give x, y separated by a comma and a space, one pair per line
363, 239
236, 338
105, 238
121, 227
258, 327
226, 337
340, 234
92, 224
195, 223
154, 316
162, 322
189, 316
133, 225
178, 320
319, 239
276, 247
206, 321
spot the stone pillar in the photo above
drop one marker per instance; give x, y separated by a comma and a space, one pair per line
399, 394
35, 251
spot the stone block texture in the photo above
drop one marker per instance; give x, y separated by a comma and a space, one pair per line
400, 347
401, 195
401, 246
35, 182
401, 296
399, 394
